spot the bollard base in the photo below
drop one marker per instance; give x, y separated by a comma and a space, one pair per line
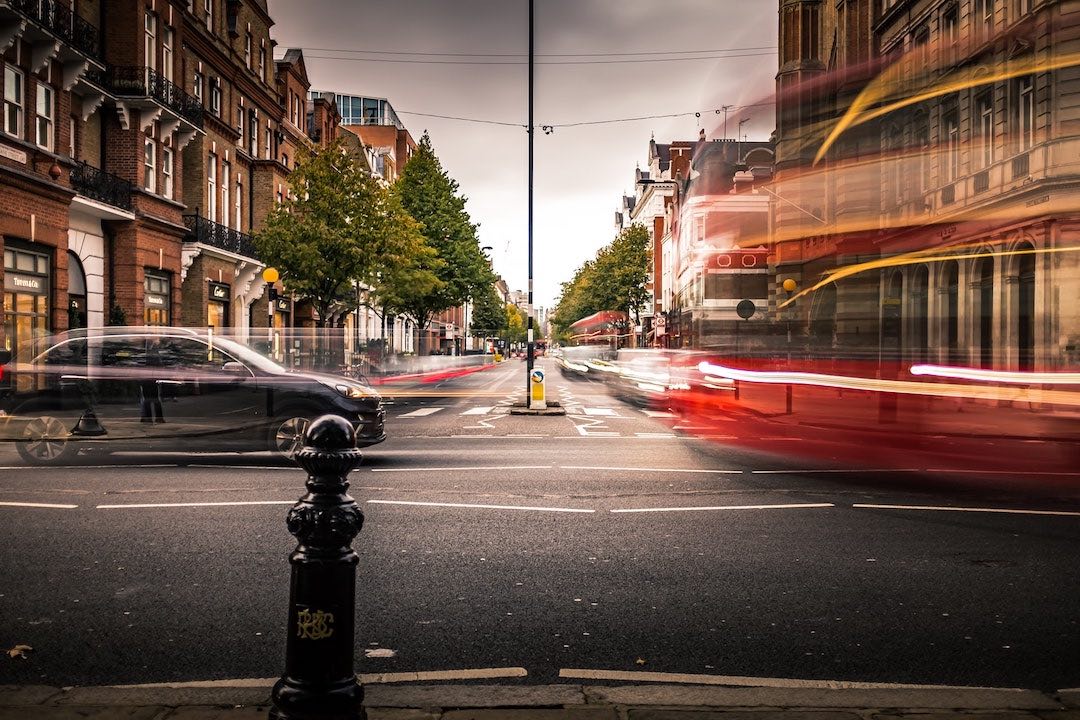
550, 408
299, 700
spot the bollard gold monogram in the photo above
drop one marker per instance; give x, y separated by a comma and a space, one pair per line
314, 625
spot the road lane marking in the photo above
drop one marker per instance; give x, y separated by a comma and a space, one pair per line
945, 508
196, 504
364, 678
655, 435
421, 412
659, 413
483, 507
484, 467
872, 470
788, 506
740, 681
606, 412
657, 470
38, 505
478, 410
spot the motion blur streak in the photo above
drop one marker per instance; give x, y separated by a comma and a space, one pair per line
900, 387
967, 373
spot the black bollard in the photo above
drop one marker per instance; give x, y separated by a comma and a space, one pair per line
319, 680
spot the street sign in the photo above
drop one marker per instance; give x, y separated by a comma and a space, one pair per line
537, 399
538, 376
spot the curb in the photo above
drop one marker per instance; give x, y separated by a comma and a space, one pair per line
563, 696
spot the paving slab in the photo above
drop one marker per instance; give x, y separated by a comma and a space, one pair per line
26, 694
576, 713
1070, 698
52, 712
740, 697
168, 696
472, 696
252, 712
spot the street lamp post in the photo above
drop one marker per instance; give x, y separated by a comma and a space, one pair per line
270, 276
529, 337
789, 287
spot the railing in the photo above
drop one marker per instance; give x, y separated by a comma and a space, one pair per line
1020, 166
101, 186
63, 23
216, 235
948, 195
982, 181
135, 80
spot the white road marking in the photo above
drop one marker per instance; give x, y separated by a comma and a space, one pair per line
483, 507
1006, 511
38, 505
659, 413
421, 412
197, 504
739, 681
478, 410
607, 412
654, 435
656, 470
485, 467
846, 470
728, 507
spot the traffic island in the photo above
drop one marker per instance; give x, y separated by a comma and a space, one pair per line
550, 408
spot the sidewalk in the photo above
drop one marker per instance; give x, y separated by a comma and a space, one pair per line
249, 700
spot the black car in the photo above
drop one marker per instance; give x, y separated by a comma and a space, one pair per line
158, 388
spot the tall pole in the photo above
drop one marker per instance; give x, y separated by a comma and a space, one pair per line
529, 340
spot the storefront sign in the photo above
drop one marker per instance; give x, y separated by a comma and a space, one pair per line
158, 300
24, 283
12, 154
219, 292
282, 305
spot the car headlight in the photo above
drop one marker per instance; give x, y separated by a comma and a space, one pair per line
345, 390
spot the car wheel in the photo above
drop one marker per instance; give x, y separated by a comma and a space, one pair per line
287, 433
44, 441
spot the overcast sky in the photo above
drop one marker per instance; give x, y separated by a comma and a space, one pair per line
581, 172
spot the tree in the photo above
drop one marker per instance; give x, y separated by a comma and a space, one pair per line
336, 228
615, 280
516, 320
431, 196
488, 317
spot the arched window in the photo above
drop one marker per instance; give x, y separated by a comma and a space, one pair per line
76, 292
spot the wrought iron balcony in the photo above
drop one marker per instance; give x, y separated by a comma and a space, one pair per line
216, 235
101, 186
64, 24
139, 81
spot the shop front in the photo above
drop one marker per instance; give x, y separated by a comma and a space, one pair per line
157, 298
217, 305
26, 296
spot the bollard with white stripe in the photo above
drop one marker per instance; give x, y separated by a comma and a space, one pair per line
320, 680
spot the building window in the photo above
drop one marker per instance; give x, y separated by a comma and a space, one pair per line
238, 202
14, 98
951, 123
262, 60
984, 119
197, 87
983, 20
280, 195
253, 133
1023, 8
226, 184
46, 107
72, 129
240, 125
269, 143
285, 160
167, 171
247, 50
149, 41
296, 110
211, 187
157, 298
166, 53
950, 35
149, 164
208, 6
215, 96
1024, 118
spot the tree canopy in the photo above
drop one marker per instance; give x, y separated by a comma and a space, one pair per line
488, 317
337, 227
615, 280
431, 196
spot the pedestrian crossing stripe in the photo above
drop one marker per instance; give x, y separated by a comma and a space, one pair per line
422, 412
478, 411
599, 411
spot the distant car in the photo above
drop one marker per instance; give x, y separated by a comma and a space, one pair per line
164, 388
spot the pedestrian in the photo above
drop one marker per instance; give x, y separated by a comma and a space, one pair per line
149, 388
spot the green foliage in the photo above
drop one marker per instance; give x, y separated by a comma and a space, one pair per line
431, 196
488, 317
517, 323
615, 280
337, 227
117, 316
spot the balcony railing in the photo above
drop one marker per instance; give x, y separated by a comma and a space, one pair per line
1021, 166
216, 235
982, 181
101, 186
63, 23
135, 80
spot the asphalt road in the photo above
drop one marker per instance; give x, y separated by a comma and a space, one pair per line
607, 539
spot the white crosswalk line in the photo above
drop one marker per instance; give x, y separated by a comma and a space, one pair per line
599, 411
479, 410
422, 412
658, 413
